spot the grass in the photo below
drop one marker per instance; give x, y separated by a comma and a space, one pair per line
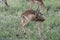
10, 20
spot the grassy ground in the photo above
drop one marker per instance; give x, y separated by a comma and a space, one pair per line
10, 21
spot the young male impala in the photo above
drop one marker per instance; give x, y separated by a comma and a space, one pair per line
39, 2
31, 15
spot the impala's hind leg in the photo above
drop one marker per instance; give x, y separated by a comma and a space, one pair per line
5, 2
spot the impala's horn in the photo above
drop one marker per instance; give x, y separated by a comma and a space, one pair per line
37, 10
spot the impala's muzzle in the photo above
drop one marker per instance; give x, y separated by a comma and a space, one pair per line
40, 17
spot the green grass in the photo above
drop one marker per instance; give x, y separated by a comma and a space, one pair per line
10, 20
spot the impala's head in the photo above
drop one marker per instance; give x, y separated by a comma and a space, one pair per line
39, 16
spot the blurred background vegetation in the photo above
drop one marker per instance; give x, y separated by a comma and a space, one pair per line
10, 20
